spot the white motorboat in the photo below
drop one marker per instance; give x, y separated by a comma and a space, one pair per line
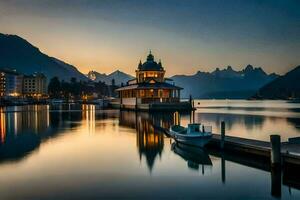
195, 134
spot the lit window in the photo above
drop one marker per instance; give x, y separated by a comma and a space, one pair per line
142, 93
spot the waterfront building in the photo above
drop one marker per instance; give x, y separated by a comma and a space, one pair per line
35, 85
10, 83
150, 89
2, 84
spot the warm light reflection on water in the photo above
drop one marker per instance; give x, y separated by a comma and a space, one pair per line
57, 153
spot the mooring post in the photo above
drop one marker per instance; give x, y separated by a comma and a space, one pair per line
176, 118
193, 116
222, 143
275, 150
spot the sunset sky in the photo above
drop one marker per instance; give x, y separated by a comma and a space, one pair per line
187, 35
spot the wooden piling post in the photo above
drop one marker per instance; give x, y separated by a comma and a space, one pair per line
176, 118
222, 143
275, 150
193, 112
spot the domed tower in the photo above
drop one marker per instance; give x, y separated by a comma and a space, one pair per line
150, 89
150, 70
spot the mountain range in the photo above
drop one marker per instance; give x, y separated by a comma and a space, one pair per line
118, 76
224, 84
284, 87
18, 54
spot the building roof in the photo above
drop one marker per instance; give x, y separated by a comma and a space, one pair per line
35, 75
9, 71
150, 64
157, 85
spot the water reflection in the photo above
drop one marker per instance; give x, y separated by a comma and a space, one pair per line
36, 120
117, 151
149, 130
193, 155
22, 131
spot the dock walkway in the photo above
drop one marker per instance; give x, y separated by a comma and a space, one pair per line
290, 152
293, 149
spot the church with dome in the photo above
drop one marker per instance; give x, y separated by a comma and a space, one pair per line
150, 90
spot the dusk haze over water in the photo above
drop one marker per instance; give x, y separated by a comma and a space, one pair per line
187, 35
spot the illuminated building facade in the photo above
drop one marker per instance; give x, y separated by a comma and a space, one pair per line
35, 85
150, 89
11, 83
2, 84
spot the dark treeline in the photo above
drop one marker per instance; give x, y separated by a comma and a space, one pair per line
78, 89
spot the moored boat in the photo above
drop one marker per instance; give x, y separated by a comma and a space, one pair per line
195, 134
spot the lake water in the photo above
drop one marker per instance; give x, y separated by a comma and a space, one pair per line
251, 119
79, 152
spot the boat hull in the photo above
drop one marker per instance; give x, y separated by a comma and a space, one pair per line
195, 140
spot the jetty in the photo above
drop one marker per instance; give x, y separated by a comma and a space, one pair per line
288, 152
280, 159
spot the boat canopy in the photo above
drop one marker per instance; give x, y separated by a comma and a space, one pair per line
196, 128
193, 128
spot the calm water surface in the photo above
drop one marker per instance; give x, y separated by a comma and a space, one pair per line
80, 152
251, 119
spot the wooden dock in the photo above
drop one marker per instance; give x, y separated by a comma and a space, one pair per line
290, 152
280, 159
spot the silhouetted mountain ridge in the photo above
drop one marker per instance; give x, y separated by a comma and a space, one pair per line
118, 76
224, 83
17, 53
283, 87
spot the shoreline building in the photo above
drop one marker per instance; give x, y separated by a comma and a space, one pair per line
11, 83
35, 85
150, 89
2, 84
16, 85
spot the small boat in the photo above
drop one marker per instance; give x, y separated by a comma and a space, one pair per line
195, 134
